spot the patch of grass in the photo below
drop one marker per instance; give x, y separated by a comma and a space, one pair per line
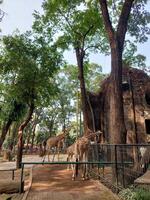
133, 193
142, 194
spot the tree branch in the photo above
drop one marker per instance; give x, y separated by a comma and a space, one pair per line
92, 46
2, 13
106, 18
123, 21
86, 33
67, 20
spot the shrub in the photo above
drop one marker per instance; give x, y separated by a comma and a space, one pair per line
142, 194
128, 194
133, 193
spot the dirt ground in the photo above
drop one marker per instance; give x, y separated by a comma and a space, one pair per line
7, 176
54, 183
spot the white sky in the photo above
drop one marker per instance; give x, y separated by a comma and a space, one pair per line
19, 16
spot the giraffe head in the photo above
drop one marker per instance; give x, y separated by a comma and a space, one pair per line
67, 130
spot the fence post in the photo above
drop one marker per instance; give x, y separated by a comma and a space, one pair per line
21, 179
116, 167
122, 163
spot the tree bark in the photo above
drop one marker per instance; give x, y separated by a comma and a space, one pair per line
33, 135
5, 129
116, 39
117, 127
28, 137
84, 101
20, 135
14, 135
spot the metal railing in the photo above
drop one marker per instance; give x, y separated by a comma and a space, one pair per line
117, 161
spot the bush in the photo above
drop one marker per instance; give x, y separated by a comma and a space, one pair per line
142, 194
128, 194
133, 193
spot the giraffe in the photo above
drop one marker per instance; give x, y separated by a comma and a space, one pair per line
79, 152
55, 142
70, 153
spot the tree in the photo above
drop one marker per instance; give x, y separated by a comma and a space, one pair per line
31, 63
116, 40
2, 13
82, 29
79, 29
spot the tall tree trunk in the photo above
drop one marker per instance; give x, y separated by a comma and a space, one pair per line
20, 135
84, 101
13, 135
33, 135
117, 126
5, 129
28, 137
116, 39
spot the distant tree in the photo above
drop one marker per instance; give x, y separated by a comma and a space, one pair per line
2, 13
79, 28
30, 63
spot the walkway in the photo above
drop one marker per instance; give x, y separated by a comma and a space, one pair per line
54, 183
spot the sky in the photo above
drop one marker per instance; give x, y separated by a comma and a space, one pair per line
19, 16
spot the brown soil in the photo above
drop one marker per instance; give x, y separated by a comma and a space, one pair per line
54, 183
7, 176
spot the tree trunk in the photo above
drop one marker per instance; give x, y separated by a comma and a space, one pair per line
117, 127
5, 129
84, 101
116, 39
116, 119
33, 135
28, 138
20, 135
14, 135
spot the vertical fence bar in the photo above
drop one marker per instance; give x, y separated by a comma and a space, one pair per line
116, 167
21, 179
122, 163
13, 174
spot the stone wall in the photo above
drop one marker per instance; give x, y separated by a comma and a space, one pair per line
136, 86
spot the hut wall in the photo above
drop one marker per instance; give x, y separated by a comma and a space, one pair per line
136, 98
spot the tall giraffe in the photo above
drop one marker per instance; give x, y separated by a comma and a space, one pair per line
79, 152
55, 142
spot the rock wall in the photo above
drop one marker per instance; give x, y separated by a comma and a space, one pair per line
136, 97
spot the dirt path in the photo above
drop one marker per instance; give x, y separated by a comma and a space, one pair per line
54, 183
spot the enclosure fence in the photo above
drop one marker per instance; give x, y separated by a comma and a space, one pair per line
117, 166
125, 163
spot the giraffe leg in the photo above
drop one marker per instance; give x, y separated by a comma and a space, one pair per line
73, 167
48, 156
58, 153
44, 158
68, 160
86, 167
83, 171
82, 159
54, 155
